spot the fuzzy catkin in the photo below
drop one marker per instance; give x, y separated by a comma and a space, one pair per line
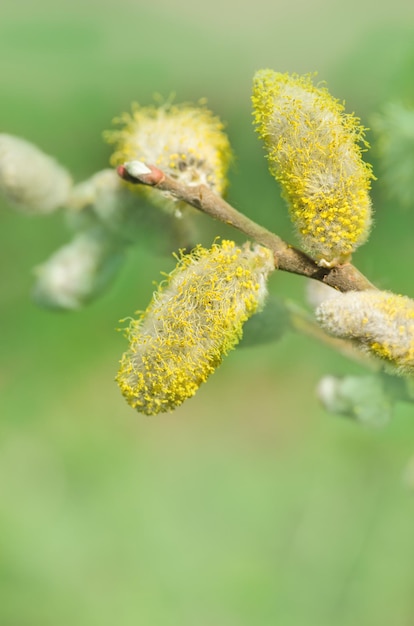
194, 319
31, 180
186, 142
313, 151
78, 271
380, 321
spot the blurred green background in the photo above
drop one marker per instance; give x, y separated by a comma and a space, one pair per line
249, 505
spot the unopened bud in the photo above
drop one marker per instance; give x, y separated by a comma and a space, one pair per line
137, 168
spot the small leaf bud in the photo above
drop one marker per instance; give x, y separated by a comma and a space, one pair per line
137, 168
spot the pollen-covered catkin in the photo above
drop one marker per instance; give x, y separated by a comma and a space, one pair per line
313, 151
380, 321
195, 318
186, 142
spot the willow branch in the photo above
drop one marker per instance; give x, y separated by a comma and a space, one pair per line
287, 258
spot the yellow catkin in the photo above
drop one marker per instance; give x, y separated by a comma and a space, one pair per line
313, 151
186, 142
380, 321
194, 319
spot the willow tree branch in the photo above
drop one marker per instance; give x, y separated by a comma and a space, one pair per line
342, 277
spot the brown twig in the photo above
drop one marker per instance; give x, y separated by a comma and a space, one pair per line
342, 277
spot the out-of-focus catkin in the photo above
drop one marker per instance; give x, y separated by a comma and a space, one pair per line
31, 180
195, 318
186, 142
380, 321
313, 151
79, 270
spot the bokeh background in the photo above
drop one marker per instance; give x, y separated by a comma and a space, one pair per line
249, 505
